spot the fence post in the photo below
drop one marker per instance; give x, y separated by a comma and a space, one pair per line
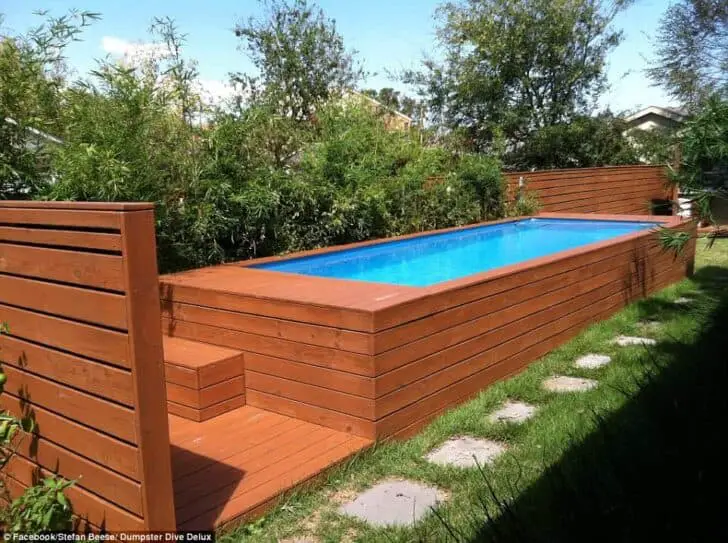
147, 363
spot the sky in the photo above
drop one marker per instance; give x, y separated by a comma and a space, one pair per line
389, 35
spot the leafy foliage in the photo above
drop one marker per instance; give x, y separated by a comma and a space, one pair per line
584, 142
32, 74
513, 67
691, 61
300, 57
42, 507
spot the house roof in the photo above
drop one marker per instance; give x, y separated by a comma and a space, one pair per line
674, 114
379, 104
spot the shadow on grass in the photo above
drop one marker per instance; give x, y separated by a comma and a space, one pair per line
655, 469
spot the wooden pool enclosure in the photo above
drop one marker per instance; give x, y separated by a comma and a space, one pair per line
198, 398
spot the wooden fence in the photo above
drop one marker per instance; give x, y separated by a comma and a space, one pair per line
612, 190
83, 357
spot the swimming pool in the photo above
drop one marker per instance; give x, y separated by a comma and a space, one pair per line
377, 338
431, 259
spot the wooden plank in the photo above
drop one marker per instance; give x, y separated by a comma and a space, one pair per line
310, 413
89, 475
105, 381
313, 375
523, 290
211, 363
205, 397
98, 511
83, 339
62, 238
79, 268
100, 448
206, 413
458, 334
147, 362
310, 394
197, 486
300, 352
298, 312
230, 434
528, 319
181, 375
81, 407
69, 204
103, 308
321, 441
499, 281
312, 334
59, 217
313, 461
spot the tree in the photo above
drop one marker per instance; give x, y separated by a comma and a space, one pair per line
584, 142
299, 54
516, 66
691, 60
32, 79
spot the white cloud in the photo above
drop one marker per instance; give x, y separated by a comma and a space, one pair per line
133, 50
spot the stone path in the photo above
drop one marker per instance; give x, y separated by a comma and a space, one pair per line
562, 383
626, 341
515, 412
466, 452
592, 361
393, 503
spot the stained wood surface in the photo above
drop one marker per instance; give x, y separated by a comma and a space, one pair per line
79, 293
237, 464
620, 189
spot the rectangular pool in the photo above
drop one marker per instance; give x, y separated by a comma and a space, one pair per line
430, 259
377, 338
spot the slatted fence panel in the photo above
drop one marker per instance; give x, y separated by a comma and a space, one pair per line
612, 189
83, 356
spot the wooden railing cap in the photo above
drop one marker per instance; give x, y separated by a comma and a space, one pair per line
87, 206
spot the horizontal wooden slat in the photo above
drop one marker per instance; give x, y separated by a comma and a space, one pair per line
205, 397
87, 269
310, 394
63, 238
46, 215
324, 336
92, 306
83, 408
105, 381
91, 341
524, 289
317, 415
349, 383
206, 413
96, 446
87, 474
235, 339
98, 511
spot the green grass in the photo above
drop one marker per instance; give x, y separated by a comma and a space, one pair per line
632, 459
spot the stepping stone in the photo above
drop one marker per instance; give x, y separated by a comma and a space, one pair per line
652, 325
393, 503
562, 383
513, 412
683, 301
592, 361
466, 452
626, 341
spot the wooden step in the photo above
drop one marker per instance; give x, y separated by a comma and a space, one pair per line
203, 380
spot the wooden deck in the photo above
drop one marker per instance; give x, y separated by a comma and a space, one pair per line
238, 464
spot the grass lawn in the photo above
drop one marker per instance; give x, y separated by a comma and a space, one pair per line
639, 458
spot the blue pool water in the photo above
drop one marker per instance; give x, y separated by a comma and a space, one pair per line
430, 259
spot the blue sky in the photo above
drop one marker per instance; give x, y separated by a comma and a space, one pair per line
389, 34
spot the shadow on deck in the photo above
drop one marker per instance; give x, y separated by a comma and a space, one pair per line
238, 464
